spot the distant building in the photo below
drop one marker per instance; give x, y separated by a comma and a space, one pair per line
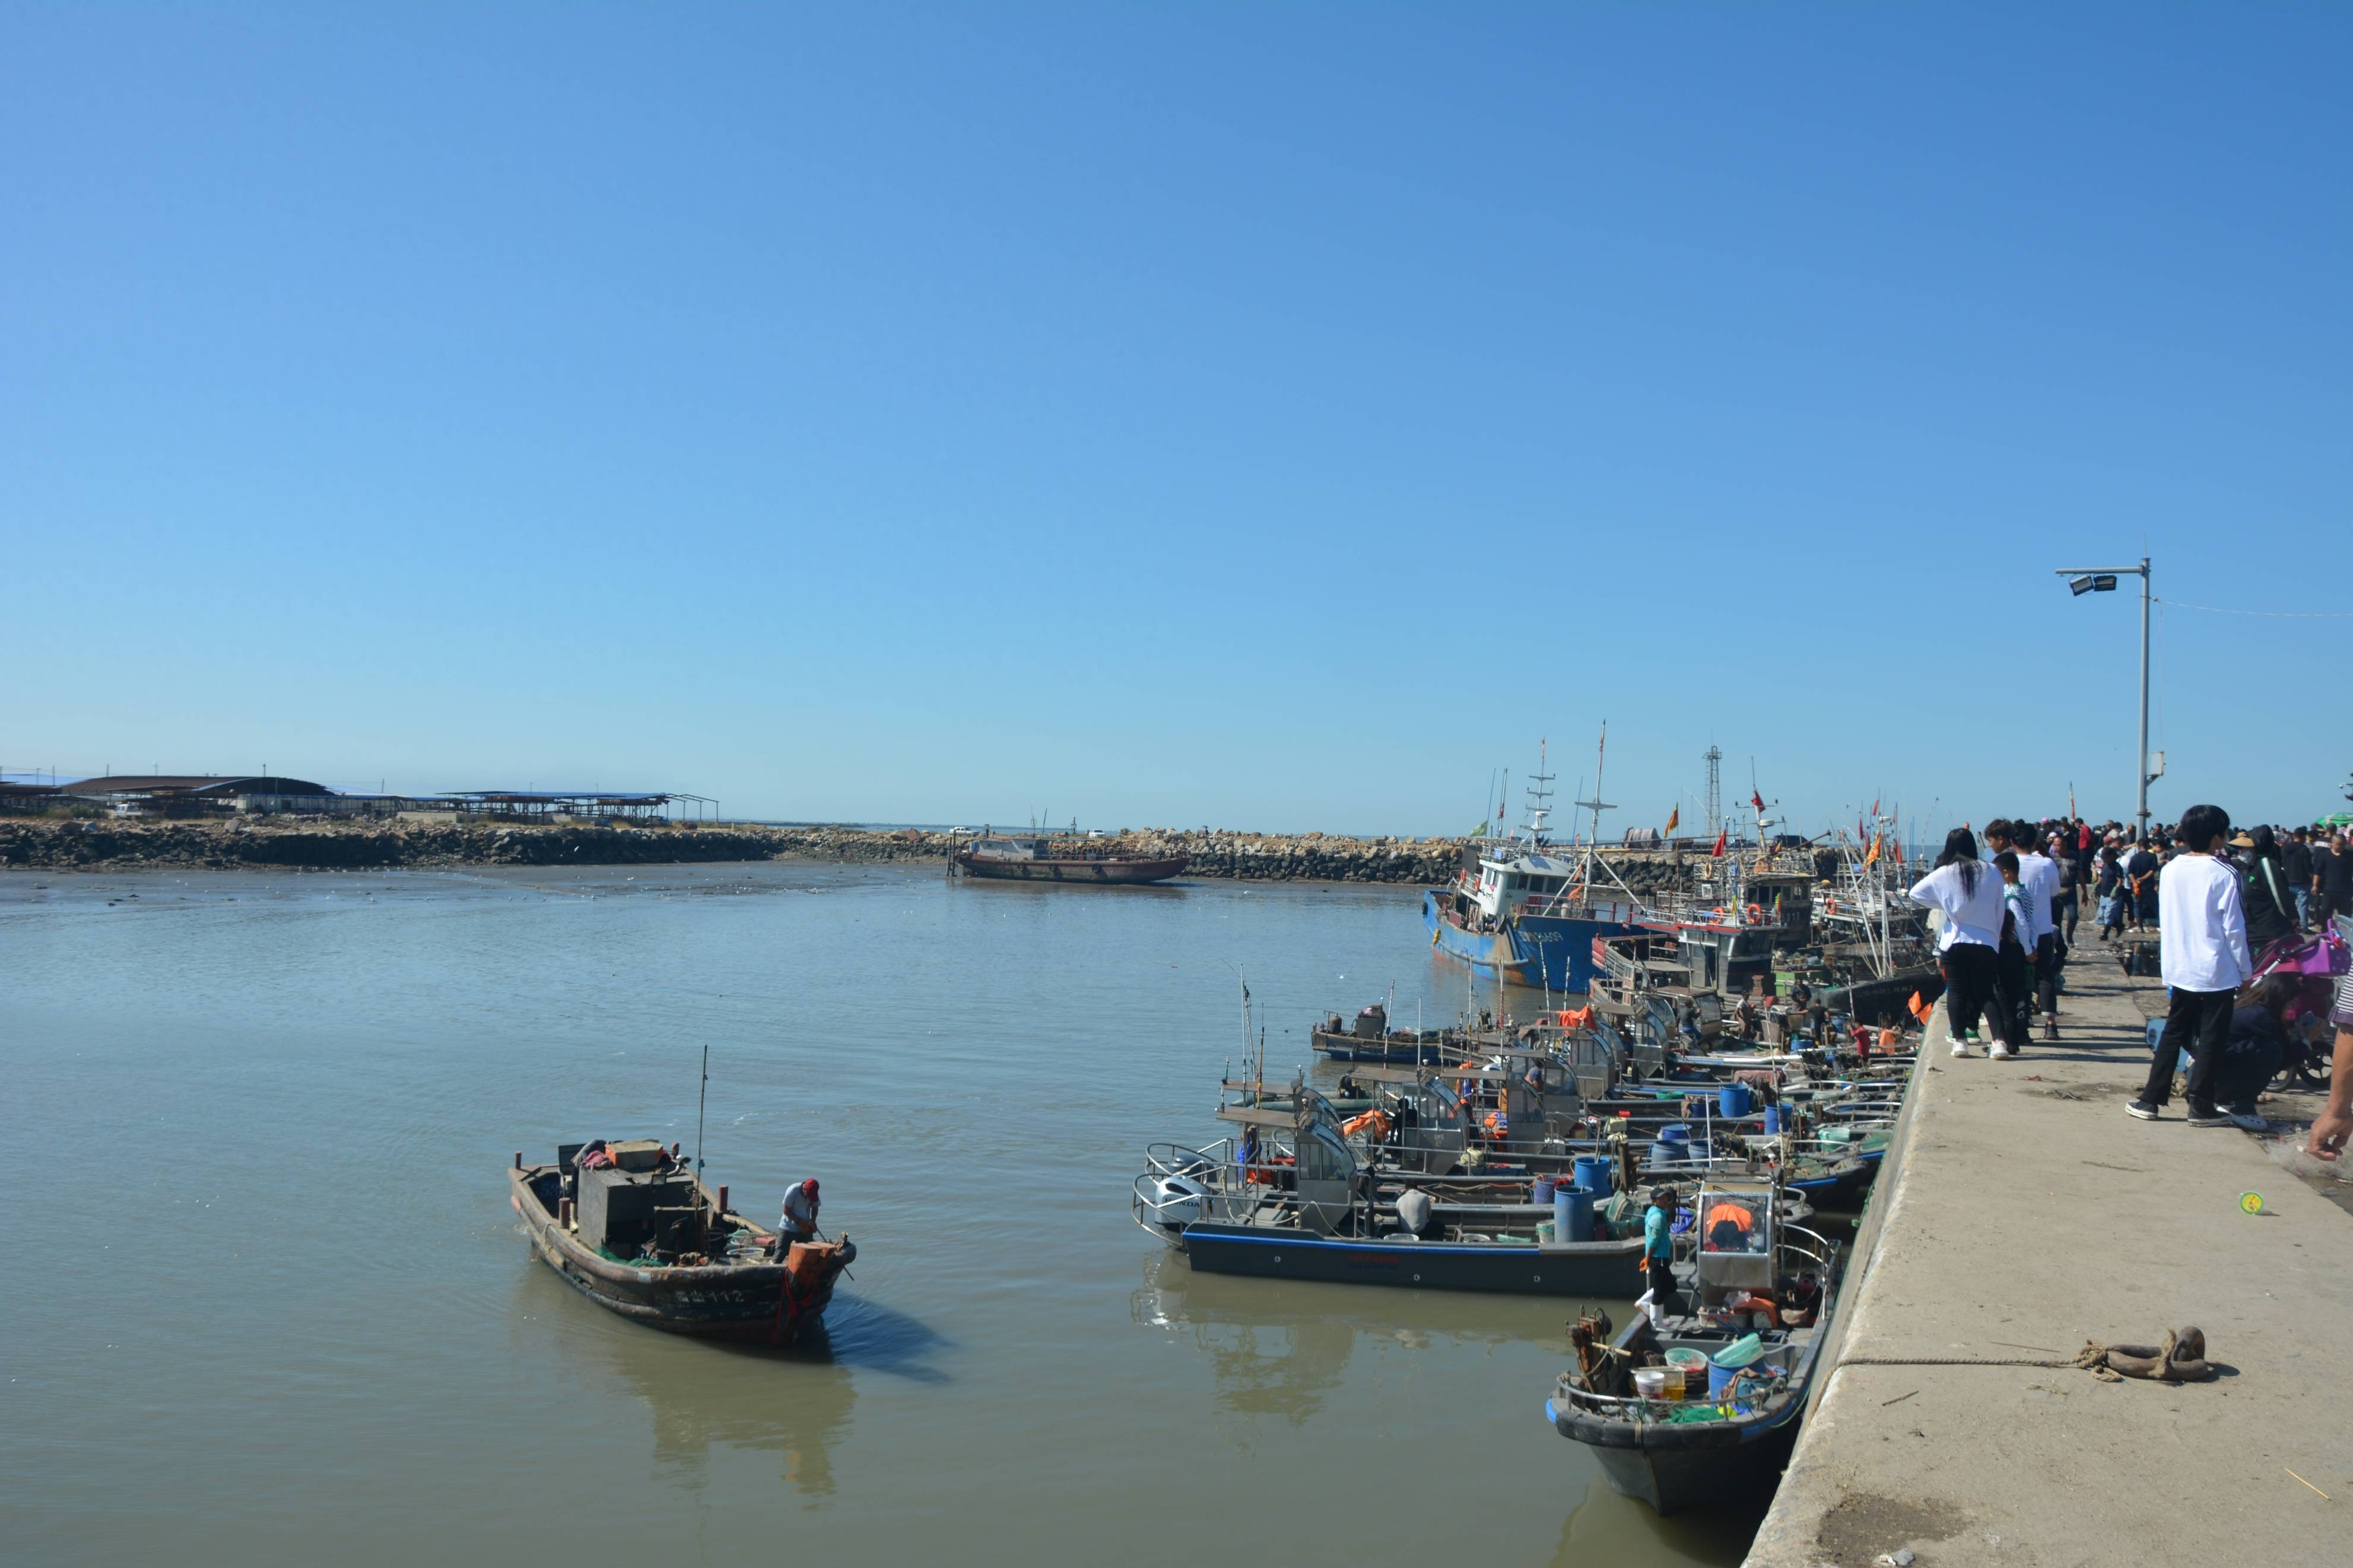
193, 795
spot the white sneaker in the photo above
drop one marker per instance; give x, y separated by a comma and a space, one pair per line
2000, 1052
1960, 1047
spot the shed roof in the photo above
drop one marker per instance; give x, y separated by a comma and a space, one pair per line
194, 784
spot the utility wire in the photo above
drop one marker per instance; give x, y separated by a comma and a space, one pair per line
2276, 615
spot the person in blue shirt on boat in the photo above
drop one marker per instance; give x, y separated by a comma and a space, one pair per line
1658, 1250
799, 1219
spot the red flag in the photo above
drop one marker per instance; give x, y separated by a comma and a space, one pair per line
1718, 851
1874, 805
1756, 800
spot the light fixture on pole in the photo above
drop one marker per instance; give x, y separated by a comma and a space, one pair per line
2103, 580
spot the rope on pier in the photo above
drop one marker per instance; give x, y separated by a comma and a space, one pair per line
2181, 1359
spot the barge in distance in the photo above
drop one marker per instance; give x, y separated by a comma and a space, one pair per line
1037, 858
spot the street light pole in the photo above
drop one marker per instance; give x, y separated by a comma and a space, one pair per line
2103, 580
2143, 770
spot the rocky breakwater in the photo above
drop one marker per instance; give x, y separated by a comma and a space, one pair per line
260, 845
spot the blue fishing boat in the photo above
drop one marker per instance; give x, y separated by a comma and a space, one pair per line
1525, 915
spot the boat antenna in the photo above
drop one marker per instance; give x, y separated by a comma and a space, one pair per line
1596, 805
701, 1098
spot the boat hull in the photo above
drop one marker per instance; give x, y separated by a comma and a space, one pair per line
1611, 1270
1085, 873
1345, 1048
1539, 952
1684, 1470
737, 1302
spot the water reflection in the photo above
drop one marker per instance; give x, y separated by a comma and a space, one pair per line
1280, 1349
794, 1403
1608, 1527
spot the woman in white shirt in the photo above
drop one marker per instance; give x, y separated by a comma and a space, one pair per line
1968, 894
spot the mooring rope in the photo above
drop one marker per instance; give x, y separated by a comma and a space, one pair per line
2109, 1364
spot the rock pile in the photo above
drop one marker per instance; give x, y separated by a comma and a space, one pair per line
353, 845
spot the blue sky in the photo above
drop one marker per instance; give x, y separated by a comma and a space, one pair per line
1256, 417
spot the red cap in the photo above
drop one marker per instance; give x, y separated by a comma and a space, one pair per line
809, 1186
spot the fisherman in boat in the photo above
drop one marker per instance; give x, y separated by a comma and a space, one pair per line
1732, 1228
1659, 1248
799, 1220
1246, 1154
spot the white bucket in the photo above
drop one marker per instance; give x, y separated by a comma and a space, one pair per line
1651, 1382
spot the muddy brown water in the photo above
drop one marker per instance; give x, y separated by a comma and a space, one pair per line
266, 1302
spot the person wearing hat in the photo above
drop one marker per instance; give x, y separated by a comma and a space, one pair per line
1659, 1249
799, 1221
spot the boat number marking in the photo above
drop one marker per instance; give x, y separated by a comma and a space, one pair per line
706, 1297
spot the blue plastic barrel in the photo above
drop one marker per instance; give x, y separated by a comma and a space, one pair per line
1596, 1173
1731, 1100
1719, 1379
1772, 1118
1572, 1213
1544, 1191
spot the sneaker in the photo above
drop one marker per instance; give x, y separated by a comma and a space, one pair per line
2000, 1052
1960, 1047
2209, 1117
2142, 1109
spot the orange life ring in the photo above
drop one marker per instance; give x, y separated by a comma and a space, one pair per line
1755, 912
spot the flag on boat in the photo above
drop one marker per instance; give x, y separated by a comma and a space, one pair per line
1870, 856
1757, 800
1673, 817
1718, 851
2071, 800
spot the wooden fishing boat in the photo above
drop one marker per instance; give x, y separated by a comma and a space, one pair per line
1038, 859
1724, 1444
648, 1239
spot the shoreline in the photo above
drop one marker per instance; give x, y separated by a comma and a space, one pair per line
262, 845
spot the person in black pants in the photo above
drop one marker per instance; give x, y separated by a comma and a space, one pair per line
2203, 930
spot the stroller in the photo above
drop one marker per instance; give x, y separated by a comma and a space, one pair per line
2316, 963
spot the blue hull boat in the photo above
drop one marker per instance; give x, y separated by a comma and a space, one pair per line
1539, 952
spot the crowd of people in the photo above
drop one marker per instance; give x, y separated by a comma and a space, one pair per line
2253, 930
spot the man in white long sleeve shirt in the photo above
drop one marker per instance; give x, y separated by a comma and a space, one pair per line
2202, 945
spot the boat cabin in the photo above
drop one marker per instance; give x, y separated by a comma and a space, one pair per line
1001, 847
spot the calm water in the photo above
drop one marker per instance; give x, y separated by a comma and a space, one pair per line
266, 1297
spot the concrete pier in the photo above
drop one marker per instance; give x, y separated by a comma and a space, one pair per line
2022, 1213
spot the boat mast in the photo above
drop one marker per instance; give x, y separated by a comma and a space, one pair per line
1596, 805
701, 1098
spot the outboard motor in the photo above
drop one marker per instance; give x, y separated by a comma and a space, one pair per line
1176, 1202
1413, 1210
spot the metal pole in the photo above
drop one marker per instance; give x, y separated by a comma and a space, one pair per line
2141, 777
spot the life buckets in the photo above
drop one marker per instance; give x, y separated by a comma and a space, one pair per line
1596, 1173
1773, 1118
1572, 1213
1724, 1369
1731, 1100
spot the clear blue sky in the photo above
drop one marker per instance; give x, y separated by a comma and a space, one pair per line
1272, 416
